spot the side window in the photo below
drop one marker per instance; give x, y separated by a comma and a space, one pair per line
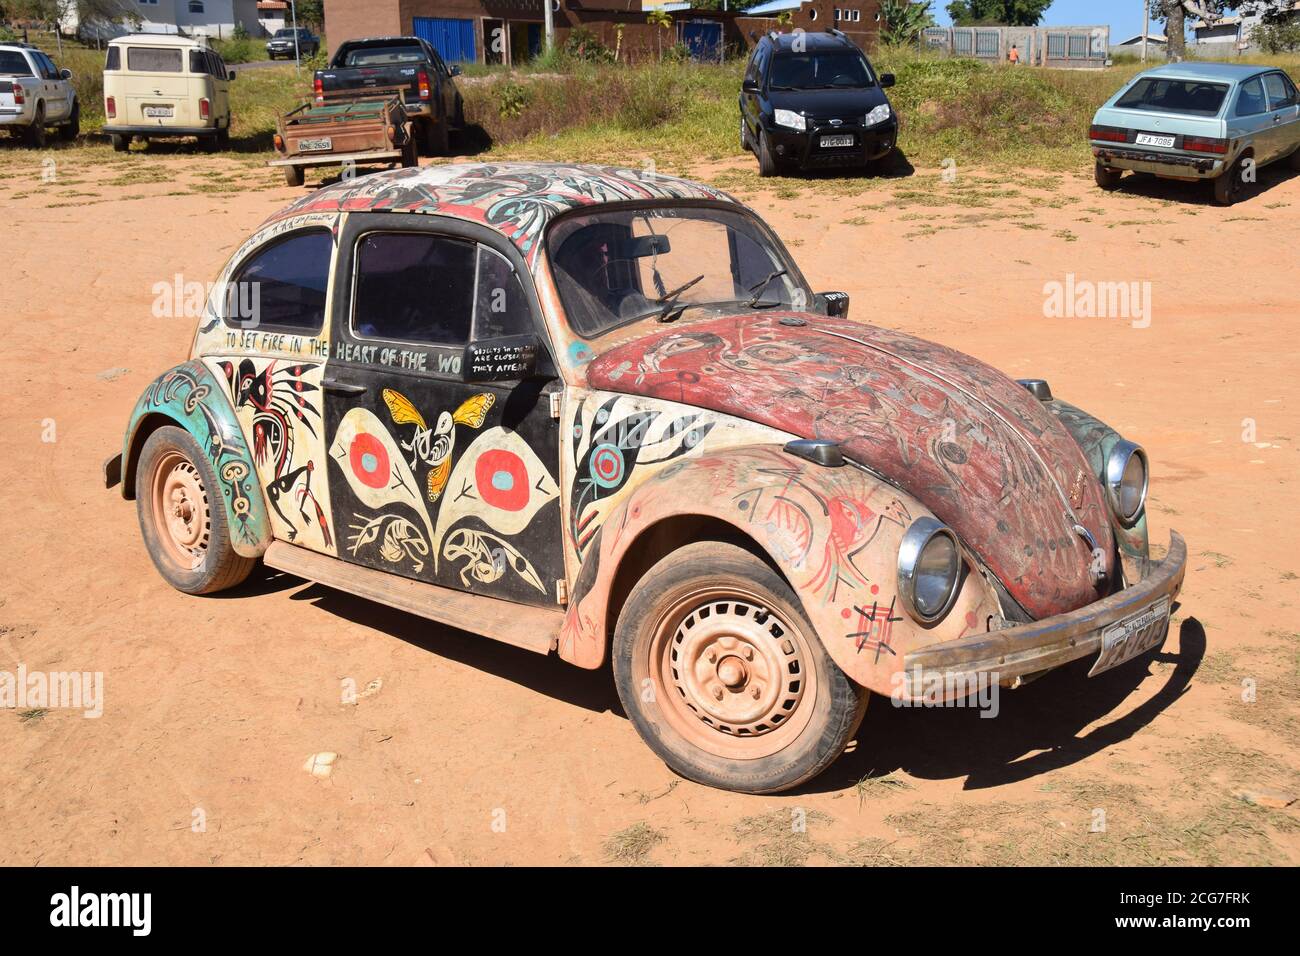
199, 62
48, 69
500, 305
283, 286
114, 59
1281, 93
1251, 99
413, 287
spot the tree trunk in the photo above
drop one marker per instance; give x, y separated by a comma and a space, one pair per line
1174, 30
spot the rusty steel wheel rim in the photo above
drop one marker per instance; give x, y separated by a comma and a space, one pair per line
180, 509
735, 677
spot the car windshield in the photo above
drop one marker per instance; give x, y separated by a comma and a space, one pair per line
1158, 95
819, 71
379, 55
620, 265
13, 63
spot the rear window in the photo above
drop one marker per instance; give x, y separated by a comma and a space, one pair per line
1157, 95
379, 55
149, 59
13, 63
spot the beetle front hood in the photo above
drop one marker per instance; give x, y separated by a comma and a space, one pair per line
970, 444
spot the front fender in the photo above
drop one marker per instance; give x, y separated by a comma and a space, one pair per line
190, 397
832, 532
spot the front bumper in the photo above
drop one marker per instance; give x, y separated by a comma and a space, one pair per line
803, 149
1175, 165
1017, 652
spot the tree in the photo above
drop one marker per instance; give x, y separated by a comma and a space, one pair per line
904, 20
659, 17
1014, 13
1173, 13
311, 12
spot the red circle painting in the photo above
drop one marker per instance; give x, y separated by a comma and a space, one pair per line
502, 479
369, 460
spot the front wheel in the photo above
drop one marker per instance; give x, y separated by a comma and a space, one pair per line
1106, 177
766, 162
720, 672
179, 504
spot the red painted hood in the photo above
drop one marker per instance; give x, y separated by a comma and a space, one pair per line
969, 443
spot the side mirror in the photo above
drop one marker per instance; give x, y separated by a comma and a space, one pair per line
887, 80
230, 75
455, 71
749, 86
834, 304
65, 74
501, 360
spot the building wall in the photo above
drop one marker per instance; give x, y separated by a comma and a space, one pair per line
352, 19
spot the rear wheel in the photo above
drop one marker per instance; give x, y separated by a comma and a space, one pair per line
435, 138
72, 128
36, 132
223, 138
409, 157
294, 175
1106, 177
1229, 186
720, 672
120, 143
179, 505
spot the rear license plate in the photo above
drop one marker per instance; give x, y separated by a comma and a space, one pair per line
315, 145
1150, 139
159, 112
828, 141
1125, 640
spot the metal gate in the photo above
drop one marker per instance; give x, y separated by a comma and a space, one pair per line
704, 39
452, 38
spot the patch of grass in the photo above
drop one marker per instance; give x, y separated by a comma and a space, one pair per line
877, 788
633, 844
782, 838
30, 716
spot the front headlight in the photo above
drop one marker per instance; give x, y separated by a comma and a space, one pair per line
1126, 480
929, 569
790, 119
878, 115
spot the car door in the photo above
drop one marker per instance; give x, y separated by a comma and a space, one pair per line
1284, 105
444, 457
1250, 119
58, 91
749, 94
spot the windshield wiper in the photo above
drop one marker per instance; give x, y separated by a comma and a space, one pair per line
757, 290
669, 298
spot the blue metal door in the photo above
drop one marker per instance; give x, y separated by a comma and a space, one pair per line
452, 38
704, 39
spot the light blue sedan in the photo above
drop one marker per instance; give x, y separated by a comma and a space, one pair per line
1191, 121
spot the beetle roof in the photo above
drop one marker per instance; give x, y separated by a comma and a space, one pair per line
518, 199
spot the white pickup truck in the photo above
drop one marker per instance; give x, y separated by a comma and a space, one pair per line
35, 94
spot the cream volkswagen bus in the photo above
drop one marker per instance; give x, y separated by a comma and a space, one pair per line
157, 85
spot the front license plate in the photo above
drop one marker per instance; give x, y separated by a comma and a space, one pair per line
1126, 639
836, 141
1150, 139
315, 145
159, 112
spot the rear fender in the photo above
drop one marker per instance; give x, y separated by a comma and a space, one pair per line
833, 533
189, 396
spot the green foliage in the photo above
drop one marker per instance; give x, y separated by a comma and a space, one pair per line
240, 33
585, 47
512, 99
904, 20
240, 49
1015, 13
1277, 37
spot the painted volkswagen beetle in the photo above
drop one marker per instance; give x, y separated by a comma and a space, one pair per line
588, 412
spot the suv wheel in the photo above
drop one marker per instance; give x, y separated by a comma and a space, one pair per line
766, 161
72, 128
720, 672
744, 136
36, 132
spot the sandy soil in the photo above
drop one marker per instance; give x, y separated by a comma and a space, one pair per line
473, 752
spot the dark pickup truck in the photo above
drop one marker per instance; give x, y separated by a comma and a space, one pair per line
433, 103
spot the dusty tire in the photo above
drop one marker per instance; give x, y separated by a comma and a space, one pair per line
179, 504
72, 128
120, 143
720, 672
36, 132
766, 162
744, 137
294, 175
1228, 186
409, 156
1107, 179
223, 138
434, 138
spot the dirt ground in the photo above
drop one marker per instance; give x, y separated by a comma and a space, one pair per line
477, 753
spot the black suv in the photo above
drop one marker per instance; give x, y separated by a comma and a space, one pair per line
281, 43
813, 101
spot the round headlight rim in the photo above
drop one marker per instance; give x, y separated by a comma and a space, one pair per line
1116, 465
916, 539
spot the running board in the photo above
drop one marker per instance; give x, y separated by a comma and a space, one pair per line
532, 628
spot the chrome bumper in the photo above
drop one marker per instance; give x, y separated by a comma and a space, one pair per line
1031, 648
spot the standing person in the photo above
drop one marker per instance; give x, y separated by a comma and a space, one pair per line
1014, 56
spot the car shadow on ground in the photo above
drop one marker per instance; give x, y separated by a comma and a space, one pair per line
590, 690
1147, 186
894, 166
1040, 727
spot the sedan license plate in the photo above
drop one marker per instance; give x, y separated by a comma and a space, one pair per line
159, 112
829, 141
315, 145
1150, 139
1125, 640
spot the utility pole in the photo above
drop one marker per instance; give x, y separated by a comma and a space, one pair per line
550, 24
1146, 26
297, 60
